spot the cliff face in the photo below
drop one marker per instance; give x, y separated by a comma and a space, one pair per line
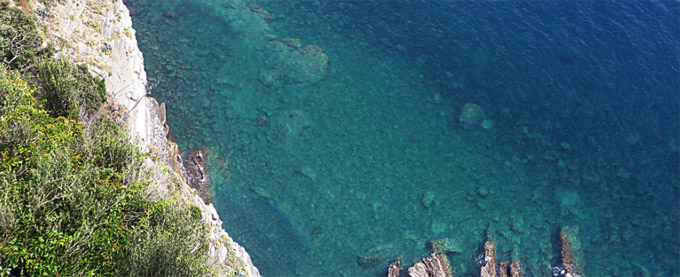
100, 34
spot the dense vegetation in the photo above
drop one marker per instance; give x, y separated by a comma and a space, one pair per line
73, 197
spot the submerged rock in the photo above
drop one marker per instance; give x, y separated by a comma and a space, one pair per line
293, 122
375, 255
270, 78
428, 198
307, 172
444, 245
471, 115
301, 65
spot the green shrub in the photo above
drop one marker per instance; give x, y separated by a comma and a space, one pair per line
16, 111
20, 42
68, 203
67, 207
66, 88
109, 145
173, 245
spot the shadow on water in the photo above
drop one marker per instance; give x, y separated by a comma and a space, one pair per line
262, 226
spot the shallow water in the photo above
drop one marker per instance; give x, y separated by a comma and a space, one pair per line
580, 128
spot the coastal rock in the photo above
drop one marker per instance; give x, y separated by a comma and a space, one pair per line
503, 269
436, 265
394, 269
489, 267
572, 253
515, 269
122, 67
197, 176
471, 115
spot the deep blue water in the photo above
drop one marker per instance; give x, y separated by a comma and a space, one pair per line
580, 128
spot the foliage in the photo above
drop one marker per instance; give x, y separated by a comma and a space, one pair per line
66, 88
68, 205
20, 41
71, 199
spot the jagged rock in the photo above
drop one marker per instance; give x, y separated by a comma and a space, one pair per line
444, 245
394, 269
572, 253
503, 269
515, 269
489, 268
471, 115
197, 176
436, 265
375, 255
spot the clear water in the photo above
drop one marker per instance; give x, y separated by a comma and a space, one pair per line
582, 128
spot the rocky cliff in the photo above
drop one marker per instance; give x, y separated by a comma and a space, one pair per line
99, 33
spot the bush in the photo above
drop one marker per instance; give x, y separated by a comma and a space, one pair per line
67, 208
66, 89
20, 42
109, 145
16, 111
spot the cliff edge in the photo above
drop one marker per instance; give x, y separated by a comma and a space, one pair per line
100, 34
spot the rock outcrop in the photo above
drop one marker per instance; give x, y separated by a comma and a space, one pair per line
490, 267
436, 265
572, 257
100, 34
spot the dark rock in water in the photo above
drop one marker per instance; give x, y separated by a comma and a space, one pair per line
264, 231
197, 176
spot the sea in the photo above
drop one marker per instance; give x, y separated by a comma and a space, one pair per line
342, 134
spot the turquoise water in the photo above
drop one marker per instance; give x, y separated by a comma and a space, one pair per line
321, 154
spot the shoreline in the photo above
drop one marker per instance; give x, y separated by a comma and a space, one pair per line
101, 36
